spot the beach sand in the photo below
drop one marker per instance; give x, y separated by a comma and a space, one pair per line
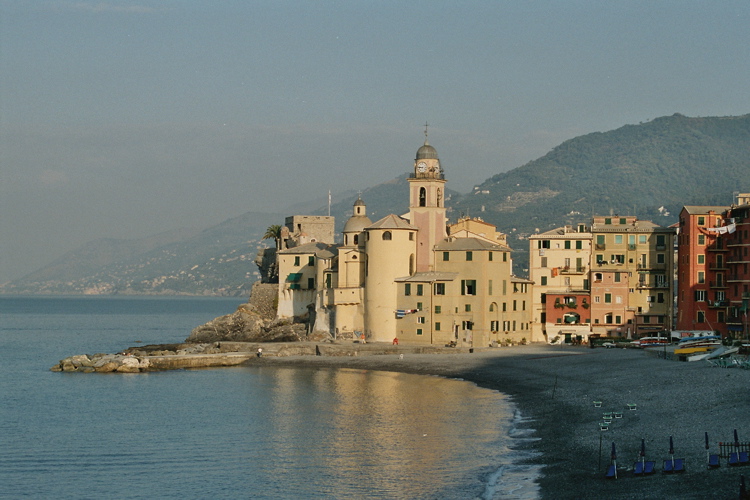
556, 387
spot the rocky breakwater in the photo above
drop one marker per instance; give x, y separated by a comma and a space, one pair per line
158, 357
102, 363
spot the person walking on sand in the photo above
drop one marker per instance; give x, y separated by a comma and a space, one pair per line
362, 338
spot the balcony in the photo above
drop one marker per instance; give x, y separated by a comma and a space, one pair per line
600, 246
717, 249
718, 284
719, 266
718, 303
573, 270
631, 246
645, 267
738, 260
738, 278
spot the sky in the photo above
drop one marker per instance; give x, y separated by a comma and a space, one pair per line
122, 119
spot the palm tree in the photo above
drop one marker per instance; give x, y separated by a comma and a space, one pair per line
274, 232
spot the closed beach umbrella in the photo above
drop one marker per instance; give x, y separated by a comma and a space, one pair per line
743, 489
671, 450
736, 440
707, 458
614, 458
643, 451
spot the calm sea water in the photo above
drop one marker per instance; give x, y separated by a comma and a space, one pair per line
244, 432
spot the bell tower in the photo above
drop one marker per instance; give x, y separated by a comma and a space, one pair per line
427, 204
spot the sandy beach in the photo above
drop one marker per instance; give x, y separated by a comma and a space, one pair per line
557, 386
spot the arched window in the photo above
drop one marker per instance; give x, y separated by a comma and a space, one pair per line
356, 239
493, 307
422, 197
387, 236
439, 197
411, 264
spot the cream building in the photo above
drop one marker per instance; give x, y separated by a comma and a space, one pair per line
612, 279
413, 278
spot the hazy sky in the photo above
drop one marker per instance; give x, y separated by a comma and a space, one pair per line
126, 118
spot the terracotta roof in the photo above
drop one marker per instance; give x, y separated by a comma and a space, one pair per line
704, 209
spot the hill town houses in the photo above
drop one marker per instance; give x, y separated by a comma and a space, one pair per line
416, 278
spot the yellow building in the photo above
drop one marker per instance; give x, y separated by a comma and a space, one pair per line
411, 278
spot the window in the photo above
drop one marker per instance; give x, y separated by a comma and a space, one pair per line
660, 298
701, 259
618, 239
494, 326
618, 319
407, 289
618, 299
419, 306
660, 258
310, 283
420, 289
544, 280
701, 221
469, 256
467, 308
490, 257
523, 305
437, 326
701, 277
608, 319
701, 239
647, 319
505, 256
420, 320
567, 244
329, 283
607, 298
700, 295
296, 260
446, 256
623, 221
597, 299
422, 197
468, 287
419, 331
600, 242
598, 277
579, 245
608, 220
617, 277
438, 309
543, 244
439, 288
505, 307
514, 306
411, 236
544, 262
387, 236
489, 287
642, 239
660, 241
311, 260
701, 317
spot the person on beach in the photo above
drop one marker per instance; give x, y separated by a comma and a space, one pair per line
362, 338
260, 352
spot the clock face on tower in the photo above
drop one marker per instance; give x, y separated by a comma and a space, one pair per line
421, 167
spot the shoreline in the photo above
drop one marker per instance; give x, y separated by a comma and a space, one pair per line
554, 388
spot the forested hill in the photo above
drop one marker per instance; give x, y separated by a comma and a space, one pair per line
650, 170
636, 169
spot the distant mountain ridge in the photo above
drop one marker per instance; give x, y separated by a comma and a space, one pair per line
650, 170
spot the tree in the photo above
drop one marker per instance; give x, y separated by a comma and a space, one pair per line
274, 232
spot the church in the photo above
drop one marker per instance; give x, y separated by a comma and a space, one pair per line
411, 278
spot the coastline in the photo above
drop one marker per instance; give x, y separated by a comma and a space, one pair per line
554, 387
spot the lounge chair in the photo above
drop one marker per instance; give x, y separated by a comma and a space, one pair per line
744, 458
649, 469
674, 465
643, 468
734, 458
713, 461
611, 472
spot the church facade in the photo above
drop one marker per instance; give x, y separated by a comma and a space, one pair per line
415, 277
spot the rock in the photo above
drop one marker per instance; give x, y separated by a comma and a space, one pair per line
129, 364
106, 367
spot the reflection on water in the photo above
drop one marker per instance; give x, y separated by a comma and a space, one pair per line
386, 435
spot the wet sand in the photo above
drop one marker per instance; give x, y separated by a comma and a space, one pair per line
557, 386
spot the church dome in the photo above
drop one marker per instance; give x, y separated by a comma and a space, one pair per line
357, 224
427, 152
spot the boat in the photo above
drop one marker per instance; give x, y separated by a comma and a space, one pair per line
719, 352
651, 341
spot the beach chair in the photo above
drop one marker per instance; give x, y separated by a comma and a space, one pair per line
638, 468
674, 465
649, 468
643, 468
611, 472
713, 461
734, 458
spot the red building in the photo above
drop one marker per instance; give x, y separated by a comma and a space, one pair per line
712, 268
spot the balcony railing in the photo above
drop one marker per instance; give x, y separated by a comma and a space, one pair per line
573, 270
600, 246
718, 284
718, 267
718, 303
737, 277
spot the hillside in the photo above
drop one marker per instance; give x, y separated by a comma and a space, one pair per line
650, 170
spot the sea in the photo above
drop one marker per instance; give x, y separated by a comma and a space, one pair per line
240, 432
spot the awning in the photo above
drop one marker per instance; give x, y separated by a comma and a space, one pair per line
294, 277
